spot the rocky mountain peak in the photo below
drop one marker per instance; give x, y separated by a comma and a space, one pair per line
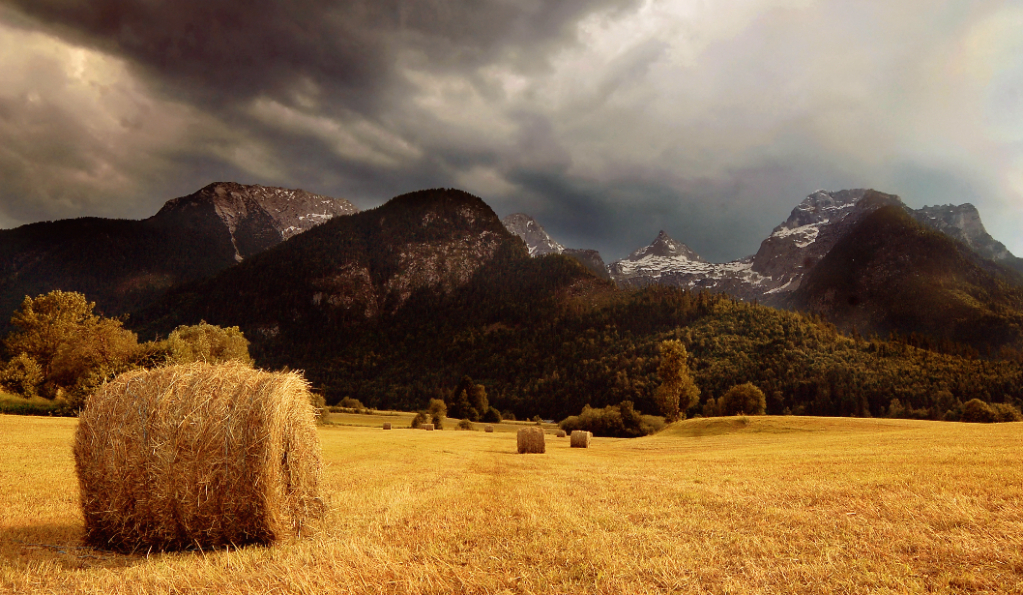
533, 234
963, 223
256, 217
822, 207
665, 247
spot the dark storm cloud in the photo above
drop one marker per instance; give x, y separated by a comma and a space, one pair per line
608, 120
235, 50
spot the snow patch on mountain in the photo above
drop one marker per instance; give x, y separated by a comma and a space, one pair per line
533, 234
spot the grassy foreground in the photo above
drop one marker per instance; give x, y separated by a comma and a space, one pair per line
769, 505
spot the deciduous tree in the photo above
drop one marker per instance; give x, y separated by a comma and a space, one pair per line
677, 391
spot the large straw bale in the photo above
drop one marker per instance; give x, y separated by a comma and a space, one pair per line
580, 439
561, 434
488, 428
387, 425
428, 427
531, 440
198, 455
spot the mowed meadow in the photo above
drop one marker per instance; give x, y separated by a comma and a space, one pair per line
719, 505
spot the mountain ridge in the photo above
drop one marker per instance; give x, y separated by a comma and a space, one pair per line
124, 264
795, 246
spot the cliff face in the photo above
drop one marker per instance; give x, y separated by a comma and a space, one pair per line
540, 243
254, 217
963, 223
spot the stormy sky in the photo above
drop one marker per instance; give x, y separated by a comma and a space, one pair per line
606, 120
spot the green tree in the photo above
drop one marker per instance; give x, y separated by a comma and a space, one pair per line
437, 411
22, 375
208, 343
478, 400
75, 349
469, 400
677, 391
743, 399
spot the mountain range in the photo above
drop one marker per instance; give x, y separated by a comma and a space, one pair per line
794, 247
124, 265
396, 304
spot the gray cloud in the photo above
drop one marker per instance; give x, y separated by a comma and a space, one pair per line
607, 120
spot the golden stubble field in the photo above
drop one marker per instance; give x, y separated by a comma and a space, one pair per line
764, 505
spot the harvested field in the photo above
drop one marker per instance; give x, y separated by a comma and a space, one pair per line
782, 505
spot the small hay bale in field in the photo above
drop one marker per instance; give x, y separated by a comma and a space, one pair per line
427, 427
531, 440
561, 434
387, 425
581, 439
488, 429
198, 455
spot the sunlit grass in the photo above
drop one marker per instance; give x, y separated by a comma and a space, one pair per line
762, 505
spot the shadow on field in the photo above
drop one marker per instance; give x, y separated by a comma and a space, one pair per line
59, 544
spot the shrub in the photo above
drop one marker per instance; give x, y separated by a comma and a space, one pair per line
207, 343
350, 403
1004, 412
22, 375
710, 408
743, 399
621, 421
420, 420
492, 416
464, 424
977, 411
319, 405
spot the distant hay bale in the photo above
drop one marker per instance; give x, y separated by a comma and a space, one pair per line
387, 425
427, 427
531, 440
581, 439
198, 455
561, 434
488, 428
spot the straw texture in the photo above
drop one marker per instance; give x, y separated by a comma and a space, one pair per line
580, 439
531, 440
198, 455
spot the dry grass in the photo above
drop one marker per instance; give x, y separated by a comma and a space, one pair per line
198, 455
402, 420
773, 505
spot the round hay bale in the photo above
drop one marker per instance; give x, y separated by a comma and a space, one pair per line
531, 440
387, 425
198, 455
427, 427
580, 439
561, 434
488, 429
